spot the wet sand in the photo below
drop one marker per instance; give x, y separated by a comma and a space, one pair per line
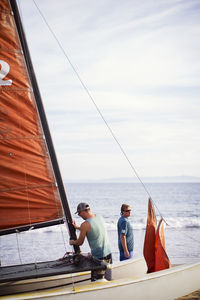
193, 296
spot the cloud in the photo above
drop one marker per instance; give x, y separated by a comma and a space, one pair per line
140, 62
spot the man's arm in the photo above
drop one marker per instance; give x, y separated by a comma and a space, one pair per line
84, 228
124, 245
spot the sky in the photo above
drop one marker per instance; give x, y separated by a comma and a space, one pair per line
140, 62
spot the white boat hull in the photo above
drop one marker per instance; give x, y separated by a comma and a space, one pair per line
137, 266
129, 282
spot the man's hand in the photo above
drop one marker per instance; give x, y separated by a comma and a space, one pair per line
124, 245
75, 225
84, 228
71, 242
126, 254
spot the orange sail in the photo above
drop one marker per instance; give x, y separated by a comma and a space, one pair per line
28, 193
161, 259
149, 242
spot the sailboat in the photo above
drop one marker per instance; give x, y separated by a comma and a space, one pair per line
32, 195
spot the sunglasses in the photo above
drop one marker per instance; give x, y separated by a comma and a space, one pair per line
128, 210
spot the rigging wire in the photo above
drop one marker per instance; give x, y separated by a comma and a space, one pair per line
100, 113
191, 237
18, 247
62, 235
97, 108
0, 248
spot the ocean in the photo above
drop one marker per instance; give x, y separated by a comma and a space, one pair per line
178, 203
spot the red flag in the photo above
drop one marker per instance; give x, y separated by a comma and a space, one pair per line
149, 242
162, 261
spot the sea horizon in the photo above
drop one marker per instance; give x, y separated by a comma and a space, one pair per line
146, 179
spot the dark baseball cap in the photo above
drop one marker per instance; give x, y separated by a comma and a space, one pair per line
82, 206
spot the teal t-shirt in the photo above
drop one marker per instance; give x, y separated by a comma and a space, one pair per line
125, 227
97, 237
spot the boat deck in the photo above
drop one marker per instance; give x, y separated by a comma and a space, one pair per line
68, 265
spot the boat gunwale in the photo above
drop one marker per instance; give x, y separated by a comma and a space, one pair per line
100, 285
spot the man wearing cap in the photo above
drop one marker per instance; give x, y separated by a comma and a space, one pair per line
94, 229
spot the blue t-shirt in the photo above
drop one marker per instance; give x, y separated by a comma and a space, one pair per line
125, 227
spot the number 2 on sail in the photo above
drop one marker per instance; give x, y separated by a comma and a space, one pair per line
5, 68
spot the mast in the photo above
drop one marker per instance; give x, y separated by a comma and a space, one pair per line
44, 123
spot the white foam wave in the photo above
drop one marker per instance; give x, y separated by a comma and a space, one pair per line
139, 224
184, 222
174, 223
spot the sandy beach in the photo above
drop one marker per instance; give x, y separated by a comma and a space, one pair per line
193, 296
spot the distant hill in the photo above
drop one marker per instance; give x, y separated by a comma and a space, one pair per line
166, 179
155, 179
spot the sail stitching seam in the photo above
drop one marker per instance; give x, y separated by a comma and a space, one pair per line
27, 187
